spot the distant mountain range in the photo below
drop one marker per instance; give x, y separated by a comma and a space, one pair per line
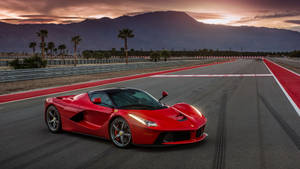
155, 30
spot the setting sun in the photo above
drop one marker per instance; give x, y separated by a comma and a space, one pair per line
224, 20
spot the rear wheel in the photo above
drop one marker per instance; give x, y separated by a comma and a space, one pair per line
53, 120
120, 132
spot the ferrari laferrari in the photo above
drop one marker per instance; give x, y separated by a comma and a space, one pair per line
125, 116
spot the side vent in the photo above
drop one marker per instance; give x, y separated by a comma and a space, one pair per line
78, 117
181, 117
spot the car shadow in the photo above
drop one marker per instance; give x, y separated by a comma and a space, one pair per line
139, 148
162, 148
87, 137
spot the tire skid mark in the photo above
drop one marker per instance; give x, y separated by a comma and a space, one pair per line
31, 150
219, 158
19, 121
195, 95
220, 147
96, 158
122, 161
283, 124
221, 84
53, 151
259, 128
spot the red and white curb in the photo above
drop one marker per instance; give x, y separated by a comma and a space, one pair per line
282, 88
283, 67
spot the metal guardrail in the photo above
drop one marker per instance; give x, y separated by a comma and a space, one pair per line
114, 59
83, 61
30, 74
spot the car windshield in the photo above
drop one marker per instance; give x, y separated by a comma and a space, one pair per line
134, 99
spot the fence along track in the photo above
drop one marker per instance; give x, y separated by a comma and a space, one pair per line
31, 74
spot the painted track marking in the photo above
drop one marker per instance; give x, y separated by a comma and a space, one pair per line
217, 75
284, 68
284, 91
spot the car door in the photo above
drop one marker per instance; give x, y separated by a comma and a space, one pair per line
98, 114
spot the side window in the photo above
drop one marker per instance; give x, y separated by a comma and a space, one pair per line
141, 95
142, 98
105, 100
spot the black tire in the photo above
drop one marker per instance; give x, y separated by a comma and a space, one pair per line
120, 133
53, 120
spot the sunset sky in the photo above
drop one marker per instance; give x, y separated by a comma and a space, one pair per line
268, 13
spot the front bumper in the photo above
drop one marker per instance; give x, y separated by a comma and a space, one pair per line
147, 136
181, 137
194, 140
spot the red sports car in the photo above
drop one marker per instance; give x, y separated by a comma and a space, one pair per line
125, 116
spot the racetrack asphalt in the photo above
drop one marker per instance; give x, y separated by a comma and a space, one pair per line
251, 125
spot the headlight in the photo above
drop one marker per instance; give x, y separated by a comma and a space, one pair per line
143, 121
200, 114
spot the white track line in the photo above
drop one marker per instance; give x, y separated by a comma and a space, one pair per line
286, 94
284, 68
217, 75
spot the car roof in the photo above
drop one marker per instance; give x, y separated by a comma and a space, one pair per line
111, 90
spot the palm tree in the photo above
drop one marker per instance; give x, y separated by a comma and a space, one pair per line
43, 33
32, 45
46, 51
165, 54
125, 34
51, 46
113, 51
62, 48
76, 40
55, 51
155, 56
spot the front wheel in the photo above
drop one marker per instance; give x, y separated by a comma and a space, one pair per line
120, 132
53, 120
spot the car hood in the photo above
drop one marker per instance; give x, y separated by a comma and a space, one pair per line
177, 117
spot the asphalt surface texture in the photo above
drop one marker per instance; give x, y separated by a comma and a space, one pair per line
251, 125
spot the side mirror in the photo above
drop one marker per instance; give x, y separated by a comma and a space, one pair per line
97, 100
163, 95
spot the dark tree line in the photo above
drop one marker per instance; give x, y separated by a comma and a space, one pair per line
294, 53
100, 54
